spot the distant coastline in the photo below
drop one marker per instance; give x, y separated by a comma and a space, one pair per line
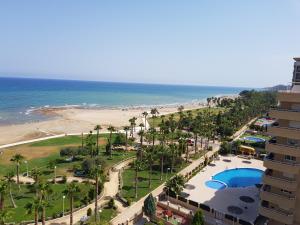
35, 100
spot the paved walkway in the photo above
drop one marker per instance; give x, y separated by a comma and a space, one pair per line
110, 190
130, 212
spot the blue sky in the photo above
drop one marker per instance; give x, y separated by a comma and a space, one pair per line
205, 42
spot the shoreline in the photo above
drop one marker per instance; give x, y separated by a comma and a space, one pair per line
79, 119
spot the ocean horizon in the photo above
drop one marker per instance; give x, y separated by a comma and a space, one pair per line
20, 97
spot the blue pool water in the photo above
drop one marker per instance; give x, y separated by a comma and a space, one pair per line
214, 184
239, 177
254, 139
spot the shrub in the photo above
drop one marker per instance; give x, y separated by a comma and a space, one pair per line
225, 148
198, 218
111, 204
89, 212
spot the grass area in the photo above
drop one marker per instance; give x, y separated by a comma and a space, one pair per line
40, 154
105, 216
157, 120
128, 189
26, 195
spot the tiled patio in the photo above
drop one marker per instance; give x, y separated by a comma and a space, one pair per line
220, 200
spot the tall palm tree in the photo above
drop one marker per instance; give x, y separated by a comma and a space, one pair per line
137, 167
3, 190
97, 128
111, 129
18, 159
149, 159
126, 129
34, 207
141, 133
9, 179
145, 114
141, 126
45, 191
154, 112
134, 122
161, 153
71, 191
95, 173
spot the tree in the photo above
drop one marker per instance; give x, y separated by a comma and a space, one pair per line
3, 190
154, 112
145, 114
44, 190
111, 129
137, 167
9, 179
17, 159
97, 128
161, 153
126, 129
71, 191
95, 173
175, 184
34, 207
90, 143
149, 160
198, 218
149, 206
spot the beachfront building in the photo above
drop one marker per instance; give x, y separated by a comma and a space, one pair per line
280, 194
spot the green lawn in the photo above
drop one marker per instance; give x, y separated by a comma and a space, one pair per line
157, 120
128, 189
56, 203
105, 216
53, 146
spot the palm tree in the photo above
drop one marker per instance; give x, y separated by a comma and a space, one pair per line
138, 166
96, 172
71, 191
173, 150
126, 129
110, 129
145, 114
9, 179
161, 153
45, 191
141, 126
3, 190
18, 159
176, 184
34, 207
141, 133
154, 112
97, 128
148, 157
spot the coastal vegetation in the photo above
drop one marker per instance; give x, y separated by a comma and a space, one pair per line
36, 184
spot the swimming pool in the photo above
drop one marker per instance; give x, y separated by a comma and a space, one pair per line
254, 139
239, 177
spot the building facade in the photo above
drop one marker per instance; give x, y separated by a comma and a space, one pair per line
280, 193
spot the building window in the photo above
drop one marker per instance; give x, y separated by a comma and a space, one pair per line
290, 158
292, 142
298, 69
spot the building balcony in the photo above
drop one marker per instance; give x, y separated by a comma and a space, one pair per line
288, 96
277, 214
287, 132
285, 114
280, 182
286, 202
273, 146
283, 166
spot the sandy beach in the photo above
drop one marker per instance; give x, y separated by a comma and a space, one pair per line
77, 120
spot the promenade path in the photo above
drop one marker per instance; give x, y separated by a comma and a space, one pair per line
129, 213
110, 190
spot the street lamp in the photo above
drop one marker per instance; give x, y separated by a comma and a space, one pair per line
54, 174
168, 169
63, 204
26, 168
100, 211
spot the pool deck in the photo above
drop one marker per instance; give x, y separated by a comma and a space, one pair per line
221, 199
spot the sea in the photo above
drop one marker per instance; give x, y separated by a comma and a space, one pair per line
21, 97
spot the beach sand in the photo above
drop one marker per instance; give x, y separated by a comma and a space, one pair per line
77, 120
